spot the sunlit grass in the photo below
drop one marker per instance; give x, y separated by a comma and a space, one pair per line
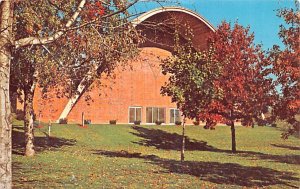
121, 156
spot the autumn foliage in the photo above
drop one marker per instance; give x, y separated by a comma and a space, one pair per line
93, 10
243, 82
91, 42
286, 68
229, 81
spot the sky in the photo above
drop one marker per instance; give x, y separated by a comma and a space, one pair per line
260, 15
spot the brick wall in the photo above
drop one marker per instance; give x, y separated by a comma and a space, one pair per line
139, 86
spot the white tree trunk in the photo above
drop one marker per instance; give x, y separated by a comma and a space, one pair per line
5, 128
28, 123
5, 120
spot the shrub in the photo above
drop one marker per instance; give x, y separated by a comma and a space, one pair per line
20, 115
87, 121
273, 125
113, 122
210, 124
196, 122
137, 122
157, 122
247, 122
63, 121
261, 122
178, 122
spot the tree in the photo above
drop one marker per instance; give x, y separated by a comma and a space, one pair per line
81, 55
46, 23
244, 83
286, 68
191, 75
230, 79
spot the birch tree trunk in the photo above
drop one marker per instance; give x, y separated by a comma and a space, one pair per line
5, 120
28, 122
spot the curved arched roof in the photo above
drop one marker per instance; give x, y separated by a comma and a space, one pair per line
158, 27
156, 11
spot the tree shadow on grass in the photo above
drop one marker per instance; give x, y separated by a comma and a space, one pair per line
172, 141
16, 169
286, 147
215, 172
41, 143
26, 177
287, 159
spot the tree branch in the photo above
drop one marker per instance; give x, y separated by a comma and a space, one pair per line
45, 40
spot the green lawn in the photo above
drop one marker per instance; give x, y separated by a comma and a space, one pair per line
121, 156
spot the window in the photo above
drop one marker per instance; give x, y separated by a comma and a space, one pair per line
174, 115
154, 114
135, 114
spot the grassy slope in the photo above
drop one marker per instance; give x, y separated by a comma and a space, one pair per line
104, 156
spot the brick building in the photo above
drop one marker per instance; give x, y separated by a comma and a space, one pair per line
134, 94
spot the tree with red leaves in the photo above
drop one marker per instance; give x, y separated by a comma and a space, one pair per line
229, 81
286, 68
246, 90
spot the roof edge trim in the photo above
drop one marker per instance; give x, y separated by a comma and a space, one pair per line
153, 12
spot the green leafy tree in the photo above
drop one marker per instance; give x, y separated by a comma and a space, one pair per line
191, 75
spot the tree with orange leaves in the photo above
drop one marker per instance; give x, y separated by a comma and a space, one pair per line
286, 68
229, 81
246, 90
